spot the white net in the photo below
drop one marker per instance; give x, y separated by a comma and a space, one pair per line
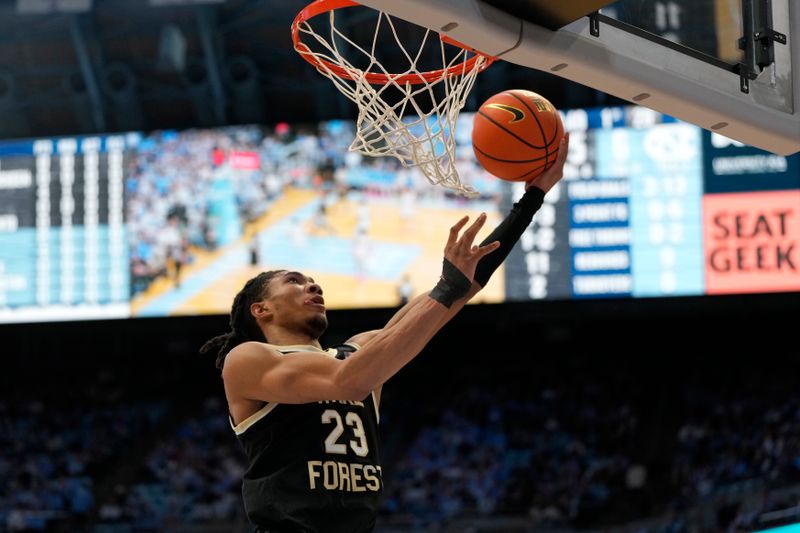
410, 114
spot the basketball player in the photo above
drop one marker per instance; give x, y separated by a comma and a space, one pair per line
307, 417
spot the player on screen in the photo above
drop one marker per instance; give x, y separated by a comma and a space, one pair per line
307, 417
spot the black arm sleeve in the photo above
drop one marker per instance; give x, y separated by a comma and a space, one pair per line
508, 233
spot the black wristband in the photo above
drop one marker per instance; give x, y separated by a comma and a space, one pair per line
508, 233
452, 286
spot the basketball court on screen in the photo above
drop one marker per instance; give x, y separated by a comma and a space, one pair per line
288, 237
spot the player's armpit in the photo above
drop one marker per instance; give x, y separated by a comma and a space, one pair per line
255, 371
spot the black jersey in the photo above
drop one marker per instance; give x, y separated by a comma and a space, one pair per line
312, 467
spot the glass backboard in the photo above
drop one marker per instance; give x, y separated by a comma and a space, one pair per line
711, 27
729, 66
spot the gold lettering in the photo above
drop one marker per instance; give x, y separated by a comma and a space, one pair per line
373, 483
330, 480
356, 469
349, 477
344, 475
342, 402
312, 473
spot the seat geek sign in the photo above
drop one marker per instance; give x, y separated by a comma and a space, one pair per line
751, 219
752, 242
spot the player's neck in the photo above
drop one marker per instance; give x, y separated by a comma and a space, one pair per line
284, 337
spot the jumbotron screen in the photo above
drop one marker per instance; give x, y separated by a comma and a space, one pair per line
174, 222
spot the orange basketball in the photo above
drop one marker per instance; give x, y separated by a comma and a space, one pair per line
516, 135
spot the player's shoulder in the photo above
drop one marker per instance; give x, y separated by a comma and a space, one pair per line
246, 355
250, 348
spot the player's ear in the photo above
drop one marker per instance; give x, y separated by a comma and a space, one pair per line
261, 310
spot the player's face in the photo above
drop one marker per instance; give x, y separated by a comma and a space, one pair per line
296, 301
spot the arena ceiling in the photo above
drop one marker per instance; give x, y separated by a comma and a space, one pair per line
84, 66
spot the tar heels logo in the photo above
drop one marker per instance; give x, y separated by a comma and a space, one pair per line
518, 114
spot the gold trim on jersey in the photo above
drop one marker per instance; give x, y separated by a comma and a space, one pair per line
302, 348
245, 424
296, 348
375, 405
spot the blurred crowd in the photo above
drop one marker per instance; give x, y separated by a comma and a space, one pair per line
583, 456
730, 441
191, 475
548, 455
564, 448
199, 189
180, 191
52, 456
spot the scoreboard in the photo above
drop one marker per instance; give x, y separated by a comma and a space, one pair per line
63, 246
651, 207
648, 207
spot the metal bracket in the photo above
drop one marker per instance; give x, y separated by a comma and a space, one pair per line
594, 24
745, 75
769, 36
758, 42
765, 38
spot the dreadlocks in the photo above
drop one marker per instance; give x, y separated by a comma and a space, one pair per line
243, 325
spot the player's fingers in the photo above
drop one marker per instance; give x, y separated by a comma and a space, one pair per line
469, 234
486, 249
455, 229
563, 149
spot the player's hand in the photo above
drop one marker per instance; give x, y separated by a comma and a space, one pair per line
461, 251
547, 179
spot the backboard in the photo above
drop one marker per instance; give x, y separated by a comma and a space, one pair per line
729, 66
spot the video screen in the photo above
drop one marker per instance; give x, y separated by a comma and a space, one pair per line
173, 223
64, 250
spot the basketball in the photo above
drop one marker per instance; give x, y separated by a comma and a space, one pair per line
516, 135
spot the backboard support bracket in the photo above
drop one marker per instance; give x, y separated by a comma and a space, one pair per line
594, 24
758, 42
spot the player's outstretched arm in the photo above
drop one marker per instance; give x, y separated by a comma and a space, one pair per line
257, 371
511, 228
363, 338
507, 234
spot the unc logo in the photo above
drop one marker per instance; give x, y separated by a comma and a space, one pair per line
720, 141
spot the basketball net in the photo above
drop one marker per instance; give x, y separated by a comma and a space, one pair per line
417, 135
